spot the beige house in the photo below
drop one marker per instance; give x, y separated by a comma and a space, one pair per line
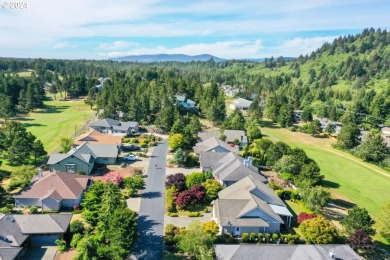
250, 206
54, 191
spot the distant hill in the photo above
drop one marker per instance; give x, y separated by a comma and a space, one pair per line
168, 57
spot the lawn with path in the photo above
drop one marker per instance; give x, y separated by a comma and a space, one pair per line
348, 178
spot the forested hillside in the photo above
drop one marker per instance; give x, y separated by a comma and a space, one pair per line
346, 80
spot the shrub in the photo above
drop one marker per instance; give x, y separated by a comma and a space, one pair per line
134, 182
134, 141
45, 211
33, 210
61, 245
178, 180
114, 177
75, 240
211, 227
305, 216
6, 210
194, 214
123, 165
173, 214
208, 175
152, 143
170, 197
137, 172
275, 237
185, 199
267, 236
179, 157
192, 160
261, 237
284, 194
194, 178
253, 238
245, 238
16, 183
212, 188
274, 186
77, 226
82, 172
318, 230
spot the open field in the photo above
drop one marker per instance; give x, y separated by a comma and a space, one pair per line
348, 178
55, 120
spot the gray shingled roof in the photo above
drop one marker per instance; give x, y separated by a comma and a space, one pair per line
210, 159
285, 252
43, 223
104, 150
115, 124
231, 168
231, 135
9, 253
207, 134
235, 201
212, 143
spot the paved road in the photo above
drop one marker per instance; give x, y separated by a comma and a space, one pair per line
149, 244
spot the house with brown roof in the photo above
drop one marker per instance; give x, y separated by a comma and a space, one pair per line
95, 137
54, 191
250, 206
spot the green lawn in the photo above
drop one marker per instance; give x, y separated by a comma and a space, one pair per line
55, 120
348, 178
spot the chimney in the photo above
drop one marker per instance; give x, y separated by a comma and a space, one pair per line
40, 172
246, 162
250, 160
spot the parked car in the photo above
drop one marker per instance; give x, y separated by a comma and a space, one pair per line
130, 148
130, 157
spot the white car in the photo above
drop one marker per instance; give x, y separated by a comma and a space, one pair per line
130, 157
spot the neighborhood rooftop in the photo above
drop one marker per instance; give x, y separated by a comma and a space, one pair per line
285, 252
213, 144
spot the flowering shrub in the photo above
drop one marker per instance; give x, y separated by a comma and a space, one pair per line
305, 216
113, 177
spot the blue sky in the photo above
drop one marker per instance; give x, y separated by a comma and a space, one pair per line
100, 29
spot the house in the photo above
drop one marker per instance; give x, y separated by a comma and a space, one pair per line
54, 191
386, 131
325, 122
99, 87
112, 126
284, 252
228, 168
298, 115
240, 103
213, 144
83, 157
185, 102
207, 134
249, 206
95, 137
119, 114
233, 135
17, 232
229, 90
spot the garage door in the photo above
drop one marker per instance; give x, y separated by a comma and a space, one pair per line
44, 240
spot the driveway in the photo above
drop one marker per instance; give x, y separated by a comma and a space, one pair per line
185, 221
44, 253
149, 244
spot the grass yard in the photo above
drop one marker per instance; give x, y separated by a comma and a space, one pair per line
55, 120
348, 178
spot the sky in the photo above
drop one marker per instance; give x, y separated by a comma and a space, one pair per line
102, 29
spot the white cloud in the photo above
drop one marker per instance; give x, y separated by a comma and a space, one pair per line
60, 45
297, 46
223, 49
116, 45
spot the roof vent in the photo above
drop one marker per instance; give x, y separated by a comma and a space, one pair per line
10, 219
331, 254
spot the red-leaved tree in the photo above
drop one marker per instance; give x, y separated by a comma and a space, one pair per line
178, 180
305, 216
199, 192
114, 177
359, 240
185, 199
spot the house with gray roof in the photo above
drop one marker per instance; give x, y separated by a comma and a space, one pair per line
285, 252
54, 191
83, 158
240, 103
233, 135
17, 232
249, 206
213, 144
185, 102
228, 168
115, 127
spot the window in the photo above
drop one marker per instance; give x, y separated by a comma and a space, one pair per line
71, 168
